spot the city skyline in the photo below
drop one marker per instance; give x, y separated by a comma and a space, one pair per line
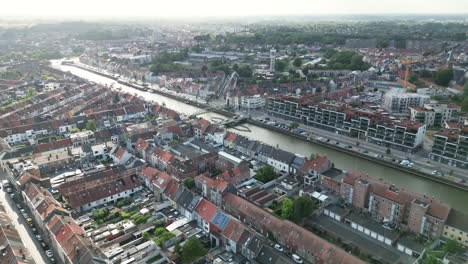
210, 8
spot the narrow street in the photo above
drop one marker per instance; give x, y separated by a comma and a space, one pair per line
24, 231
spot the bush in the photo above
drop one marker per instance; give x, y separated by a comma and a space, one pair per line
141, 219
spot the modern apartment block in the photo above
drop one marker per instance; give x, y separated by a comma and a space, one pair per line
401, 102
419, 213
375, 127
435, 114
451, 146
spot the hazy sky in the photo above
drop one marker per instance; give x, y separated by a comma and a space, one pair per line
201, 8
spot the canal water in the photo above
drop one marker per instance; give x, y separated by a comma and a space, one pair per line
456, 197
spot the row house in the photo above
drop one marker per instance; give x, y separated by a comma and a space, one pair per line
160, 158
13, 250
293, 237
60, 230
213, 189
383, 201
101, 188
312, 170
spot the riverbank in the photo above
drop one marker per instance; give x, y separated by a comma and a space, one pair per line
156, 91
363, 156
295, 135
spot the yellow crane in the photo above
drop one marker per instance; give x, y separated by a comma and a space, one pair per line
407, 63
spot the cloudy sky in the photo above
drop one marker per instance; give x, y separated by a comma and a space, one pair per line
220, 8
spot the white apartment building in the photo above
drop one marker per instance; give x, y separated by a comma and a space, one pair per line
401, 102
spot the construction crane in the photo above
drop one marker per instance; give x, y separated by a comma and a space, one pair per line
409, 62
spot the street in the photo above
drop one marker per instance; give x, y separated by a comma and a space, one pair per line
24, 231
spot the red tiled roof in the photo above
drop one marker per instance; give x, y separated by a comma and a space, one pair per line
206, 210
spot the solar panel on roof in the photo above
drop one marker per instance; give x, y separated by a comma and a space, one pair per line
220, 220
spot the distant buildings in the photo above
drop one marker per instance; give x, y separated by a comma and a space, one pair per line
401, 102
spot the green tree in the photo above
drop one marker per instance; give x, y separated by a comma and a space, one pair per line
91, 125
452, 246
281, 65
426, 74
318, 90
413, 78
304, 207
312, 156
464, 104
388, 151
192, 250
297, 62
294, 125
358, 143
287, 208
204, 68
443, 77
31, 91
266, 174
189, 183
245, 71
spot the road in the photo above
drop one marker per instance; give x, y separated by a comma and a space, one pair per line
24, 231
421, 162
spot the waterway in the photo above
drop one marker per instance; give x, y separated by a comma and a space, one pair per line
456, 197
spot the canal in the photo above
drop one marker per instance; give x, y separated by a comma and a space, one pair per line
456, 197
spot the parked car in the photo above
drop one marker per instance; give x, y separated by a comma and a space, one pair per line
39, 238
19, 206
297, 259
52, 260
44, 246
9, 190
49, 253
279, 248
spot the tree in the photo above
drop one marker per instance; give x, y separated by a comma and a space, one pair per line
281, 65
426, 74
245, 71
388, 151
189, 183
312, 156
91, 125
266, 174
304, 207
452, 246
464, 104
465, 88
294, 125
204, 68
358, 143
297, 62
192, 250
31, 91
318, 90
413, 78
443, 77
287, 208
